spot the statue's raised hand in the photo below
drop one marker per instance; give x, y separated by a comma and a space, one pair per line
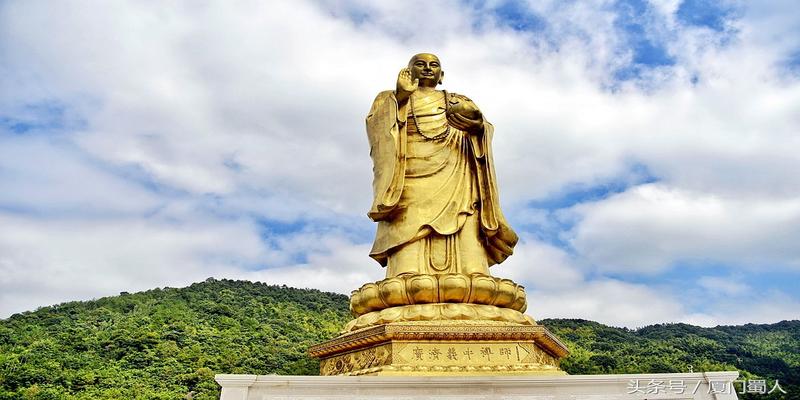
405, 85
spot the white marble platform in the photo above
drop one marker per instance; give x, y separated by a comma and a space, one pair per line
708, 385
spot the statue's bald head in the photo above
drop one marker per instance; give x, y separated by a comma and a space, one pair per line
423, 56
427, 68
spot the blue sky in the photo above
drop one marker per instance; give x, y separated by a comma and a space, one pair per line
645, 149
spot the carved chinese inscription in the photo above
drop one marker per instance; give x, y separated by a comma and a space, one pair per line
471, 353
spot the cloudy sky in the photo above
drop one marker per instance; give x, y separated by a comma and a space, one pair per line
647, 151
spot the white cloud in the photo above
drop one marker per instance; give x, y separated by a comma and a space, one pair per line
50, 175
45, 261
558, 287
765, 308
723, 285
609, 302
253, 111
651, 227
341, 268
667, 8
539, 266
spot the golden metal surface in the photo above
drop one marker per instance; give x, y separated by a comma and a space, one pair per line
451, 348
440, 228
440, 288
439, 312
435, 197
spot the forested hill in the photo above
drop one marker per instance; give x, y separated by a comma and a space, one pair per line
168, 343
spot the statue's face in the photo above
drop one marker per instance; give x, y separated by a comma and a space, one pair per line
427, 68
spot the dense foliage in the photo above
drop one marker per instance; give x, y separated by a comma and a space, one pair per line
758, 351
168, 343
164, 343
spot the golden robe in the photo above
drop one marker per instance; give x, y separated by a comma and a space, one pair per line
435, 196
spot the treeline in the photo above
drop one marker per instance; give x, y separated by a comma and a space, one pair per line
164, 343
168, 343
770, 352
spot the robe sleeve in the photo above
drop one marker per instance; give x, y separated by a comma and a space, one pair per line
499, 238
386, 133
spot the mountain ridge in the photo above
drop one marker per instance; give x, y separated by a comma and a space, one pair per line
165, 343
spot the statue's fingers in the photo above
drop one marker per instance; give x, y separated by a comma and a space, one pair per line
463, 120
458, 117
470, 120
453, 118
458, 124
464, 123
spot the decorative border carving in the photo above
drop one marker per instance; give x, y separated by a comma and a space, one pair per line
386, 359
478, 369
360, 360
442, 331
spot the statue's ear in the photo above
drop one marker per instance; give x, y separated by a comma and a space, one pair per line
441, 77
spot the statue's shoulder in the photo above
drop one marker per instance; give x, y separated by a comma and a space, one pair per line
386, 94
383, 98
455, 98
384, 102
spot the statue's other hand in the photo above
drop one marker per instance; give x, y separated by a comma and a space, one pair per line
465, 115
405, 85
465, 124
465, 108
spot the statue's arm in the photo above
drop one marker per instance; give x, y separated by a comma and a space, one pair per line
464, 114
386, 134
500, 237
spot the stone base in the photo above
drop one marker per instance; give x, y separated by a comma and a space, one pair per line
698, 386
436, 348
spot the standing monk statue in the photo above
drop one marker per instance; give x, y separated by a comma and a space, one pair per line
438, 311
435, 192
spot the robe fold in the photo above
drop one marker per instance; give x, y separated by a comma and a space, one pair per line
430, 177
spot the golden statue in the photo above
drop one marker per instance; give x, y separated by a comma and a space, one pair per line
440, 228
435, 196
